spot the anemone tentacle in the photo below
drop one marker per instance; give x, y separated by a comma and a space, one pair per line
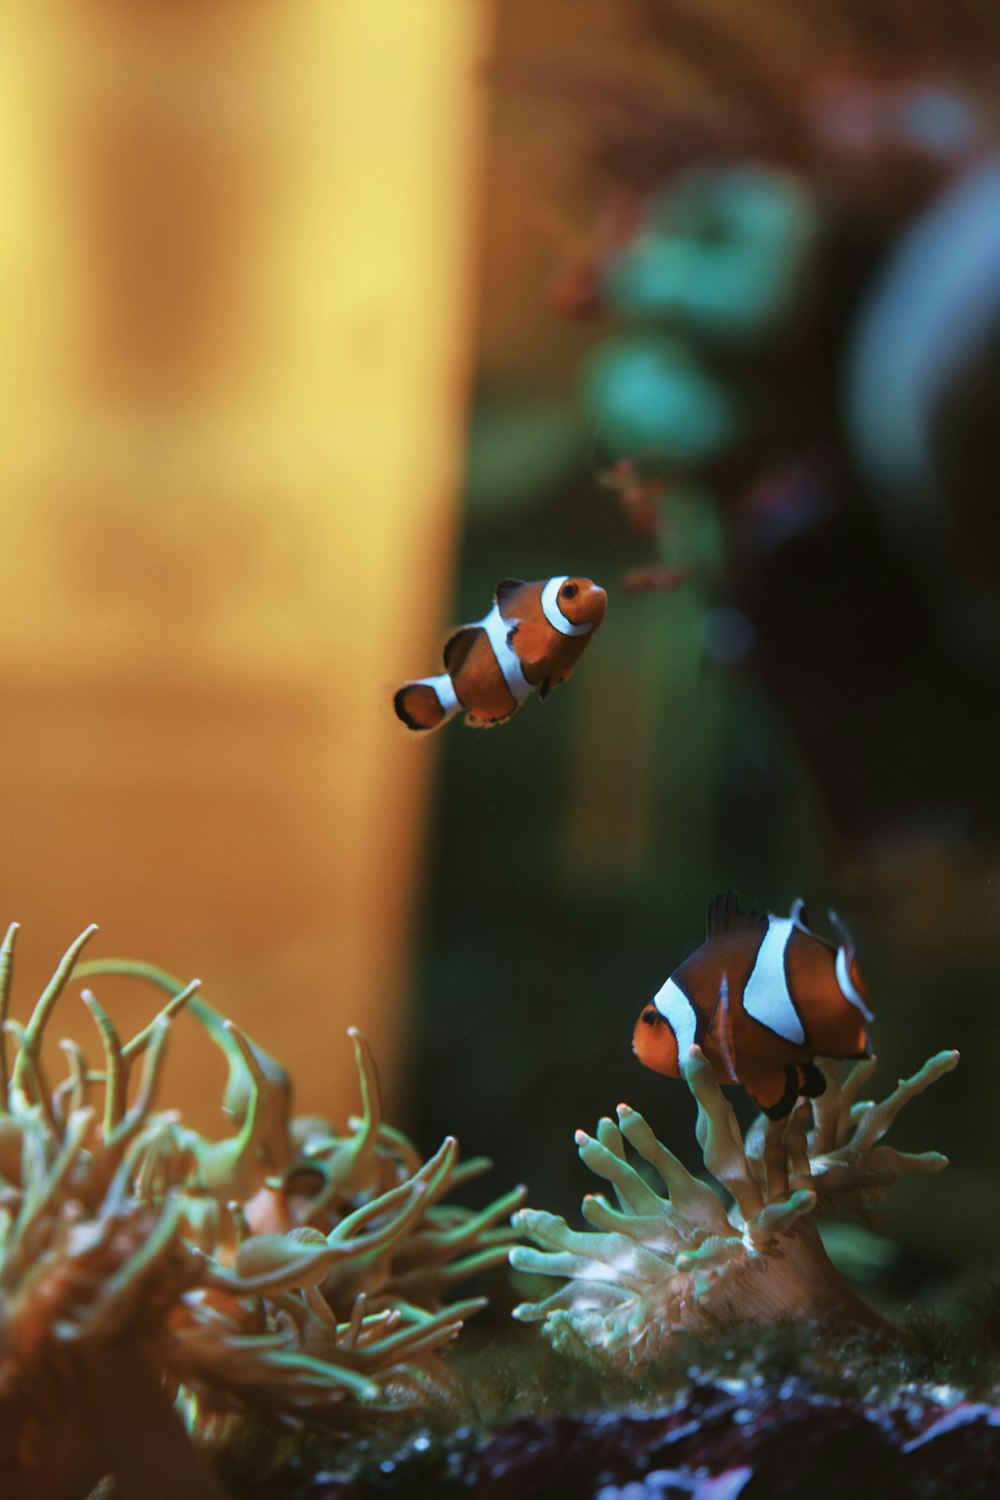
287, 1268
661, 1262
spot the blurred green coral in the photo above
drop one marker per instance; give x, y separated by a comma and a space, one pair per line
656, 1264
647, 391
720, 252
287, 1270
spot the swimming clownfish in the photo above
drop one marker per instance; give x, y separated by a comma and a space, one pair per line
762, 997
531, 638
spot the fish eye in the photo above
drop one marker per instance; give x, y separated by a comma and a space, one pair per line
569, 590
650, 1015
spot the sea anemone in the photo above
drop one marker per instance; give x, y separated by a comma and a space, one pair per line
135, 1276
656, 1263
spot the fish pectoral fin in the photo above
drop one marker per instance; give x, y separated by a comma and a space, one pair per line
530, 642
458, 646
775, 1093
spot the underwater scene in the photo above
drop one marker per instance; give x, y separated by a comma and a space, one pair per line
500, 771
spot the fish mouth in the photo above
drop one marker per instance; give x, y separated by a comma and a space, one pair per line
597, 603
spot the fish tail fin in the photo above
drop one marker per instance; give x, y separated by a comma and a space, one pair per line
426, 704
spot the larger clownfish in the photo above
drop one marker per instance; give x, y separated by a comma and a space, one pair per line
531, 638
762, 997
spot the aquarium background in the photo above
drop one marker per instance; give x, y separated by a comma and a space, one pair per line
322, 319
759, 257
237, 255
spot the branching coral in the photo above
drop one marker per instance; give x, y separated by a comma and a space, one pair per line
286, 1270
655, 1264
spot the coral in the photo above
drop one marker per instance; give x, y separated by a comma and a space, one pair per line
285, 1270
657, 1264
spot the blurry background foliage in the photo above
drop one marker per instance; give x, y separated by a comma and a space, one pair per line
752, 257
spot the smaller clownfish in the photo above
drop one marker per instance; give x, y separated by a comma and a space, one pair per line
762, 997
531, 638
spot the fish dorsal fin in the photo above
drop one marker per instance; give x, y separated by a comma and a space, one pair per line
797, 916
457, 648
506, 587
726, 915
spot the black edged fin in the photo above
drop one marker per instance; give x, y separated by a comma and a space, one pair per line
726, 915
402, 712
490, 723
418, 706
813, 1083
457, 648
547, 687
506, 587
786, 1103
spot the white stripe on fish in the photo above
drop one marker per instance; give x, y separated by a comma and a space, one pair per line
679, 1014
446, 695
847, 988
498, 629
766, 997
553, 613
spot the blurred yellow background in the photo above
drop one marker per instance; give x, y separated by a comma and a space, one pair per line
236, 250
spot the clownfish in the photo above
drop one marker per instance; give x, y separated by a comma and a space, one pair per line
531, 638
762, 997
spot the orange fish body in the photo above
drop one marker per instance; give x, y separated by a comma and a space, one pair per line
531, 638
762, 997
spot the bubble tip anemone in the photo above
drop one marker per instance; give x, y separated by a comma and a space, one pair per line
659, 1263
